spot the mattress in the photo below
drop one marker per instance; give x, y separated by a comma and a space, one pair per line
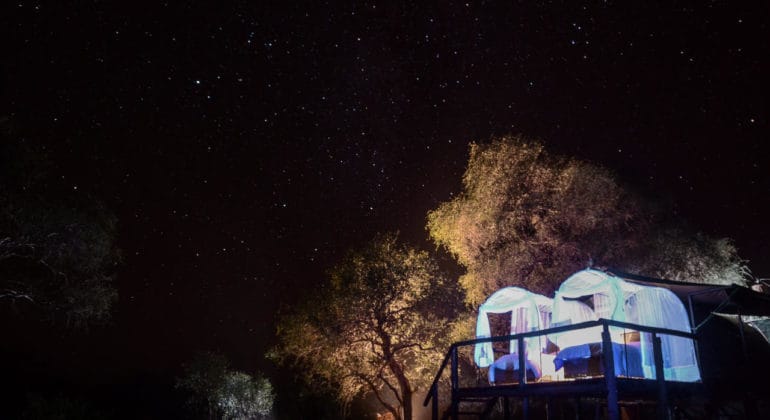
588, 360
506, 369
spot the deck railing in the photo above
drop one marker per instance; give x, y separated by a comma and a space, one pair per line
610, 377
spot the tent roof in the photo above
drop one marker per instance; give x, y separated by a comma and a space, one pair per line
729, 299
508, 298
590, 281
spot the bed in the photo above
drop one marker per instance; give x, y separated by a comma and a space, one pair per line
529, 312
506, 370
587, 360
593, 294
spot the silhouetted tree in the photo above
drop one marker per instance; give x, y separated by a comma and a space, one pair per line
59, 407
57, 246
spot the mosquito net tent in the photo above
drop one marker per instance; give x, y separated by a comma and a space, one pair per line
614, 298
529, 312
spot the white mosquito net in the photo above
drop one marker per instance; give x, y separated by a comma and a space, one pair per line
529, 312
620, 300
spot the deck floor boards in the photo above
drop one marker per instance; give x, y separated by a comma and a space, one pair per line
628, 389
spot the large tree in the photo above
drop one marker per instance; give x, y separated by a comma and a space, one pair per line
528, 217
378, 326
57, 245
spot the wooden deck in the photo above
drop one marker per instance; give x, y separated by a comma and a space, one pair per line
628, 389
612, 390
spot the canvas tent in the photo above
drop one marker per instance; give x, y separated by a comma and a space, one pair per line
614, 298
732, 351
529, 312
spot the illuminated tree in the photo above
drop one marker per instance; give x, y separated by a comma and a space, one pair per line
244, 397
57, 247
526, 217
380, 325
696, 257
219, 392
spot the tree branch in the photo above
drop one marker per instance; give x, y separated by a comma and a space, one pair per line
389, 385
12, 294
376, 392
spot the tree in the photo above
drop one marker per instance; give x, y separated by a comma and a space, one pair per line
379, 325
57, 247
244, 397
220, 392
202, 379
676, 255
527, 217
59, 407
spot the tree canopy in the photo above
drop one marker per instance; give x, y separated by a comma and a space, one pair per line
220, 392
528, 217
57, 246
379, 325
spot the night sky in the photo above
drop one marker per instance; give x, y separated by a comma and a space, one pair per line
244, 146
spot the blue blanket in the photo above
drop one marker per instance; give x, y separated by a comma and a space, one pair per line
510, 363
627, 358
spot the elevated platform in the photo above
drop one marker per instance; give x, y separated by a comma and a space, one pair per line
611, 389
545, 400
628, 389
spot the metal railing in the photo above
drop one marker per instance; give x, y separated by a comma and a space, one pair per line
610, 377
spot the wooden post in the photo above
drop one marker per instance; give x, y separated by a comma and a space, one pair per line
525, 408
522, 363
523, 378
455, 385
660, 377
577, 408
613, 411
506, 409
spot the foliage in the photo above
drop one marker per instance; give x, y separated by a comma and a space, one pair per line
526, 217
379, 325
696, 257
202, 379
59, 408
220, 392
244, 397
57, 248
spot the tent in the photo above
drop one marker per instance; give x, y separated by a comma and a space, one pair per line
592, 294
529, 312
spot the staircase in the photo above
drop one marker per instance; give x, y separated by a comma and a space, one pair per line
473, 407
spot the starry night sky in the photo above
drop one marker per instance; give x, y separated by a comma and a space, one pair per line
244, 146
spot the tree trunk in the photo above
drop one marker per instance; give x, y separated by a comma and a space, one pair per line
406, 394
403, 385
398, 371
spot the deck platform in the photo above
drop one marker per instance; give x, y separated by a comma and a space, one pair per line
612, 388
628, 389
